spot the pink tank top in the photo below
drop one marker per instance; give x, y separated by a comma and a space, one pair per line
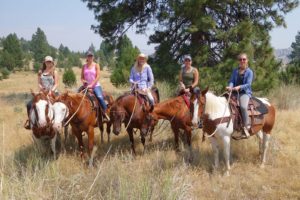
90, 74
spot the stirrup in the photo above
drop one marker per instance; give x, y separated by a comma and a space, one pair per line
246, 132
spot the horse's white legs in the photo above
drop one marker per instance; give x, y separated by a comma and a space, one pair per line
226, 142
215, 147
53, 141
260, 142
266, 139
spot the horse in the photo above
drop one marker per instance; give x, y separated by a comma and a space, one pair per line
178, 111
82, 117
213, 109
41, 119
131, 110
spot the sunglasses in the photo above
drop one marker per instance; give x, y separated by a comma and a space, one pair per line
242, 59
187, 60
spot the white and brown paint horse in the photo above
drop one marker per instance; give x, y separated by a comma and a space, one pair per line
211, 107
41, 119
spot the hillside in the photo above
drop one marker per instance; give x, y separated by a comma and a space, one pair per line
160, 173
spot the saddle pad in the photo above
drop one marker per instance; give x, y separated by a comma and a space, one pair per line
259, 105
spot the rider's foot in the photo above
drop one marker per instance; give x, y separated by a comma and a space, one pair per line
27, 125
246, 132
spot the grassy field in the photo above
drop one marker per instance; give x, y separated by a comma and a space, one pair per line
158, 174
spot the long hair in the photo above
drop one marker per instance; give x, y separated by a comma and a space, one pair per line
44, 68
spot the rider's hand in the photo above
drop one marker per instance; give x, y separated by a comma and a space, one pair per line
182, 86
90, 86
187, 90
229, 88
237, 88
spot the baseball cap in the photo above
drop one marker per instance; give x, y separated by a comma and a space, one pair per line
48, 58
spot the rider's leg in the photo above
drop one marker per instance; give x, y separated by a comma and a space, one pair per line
28, 107
99, 94
244, 100
149, 95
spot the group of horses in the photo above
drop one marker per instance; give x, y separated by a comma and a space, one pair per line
50, 114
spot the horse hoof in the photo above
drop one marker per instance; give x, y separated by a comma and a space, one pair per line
227, 174
262, 166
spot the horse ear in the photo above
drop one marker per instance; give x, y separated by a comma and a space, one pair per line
204, 91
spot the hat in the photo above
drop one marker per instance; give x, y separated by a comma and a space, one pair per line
48, 58
141, 55
187, 57
89, 53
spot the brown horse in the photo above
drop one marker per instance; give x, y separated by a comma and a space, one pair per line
178, 111
131, 110
83, 118
213, 110
41, 118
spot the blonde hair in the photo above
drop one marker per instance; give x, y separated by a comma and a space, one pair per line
136, 64
44, 66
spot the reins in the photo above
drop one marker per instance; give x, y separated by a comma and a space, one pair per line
84, 94
135, 100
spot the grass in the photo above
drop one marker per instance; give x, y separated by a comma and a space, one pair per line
160, 173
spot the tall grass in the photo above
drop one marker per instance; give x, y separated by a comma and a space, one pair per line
160, 173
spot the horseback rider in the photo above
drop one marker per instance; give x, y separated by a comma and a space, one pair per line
90, 75
240, 83
141, 77
47, 81
188, 76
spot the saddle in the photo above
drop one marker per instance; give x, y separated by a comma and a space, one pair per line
256, 110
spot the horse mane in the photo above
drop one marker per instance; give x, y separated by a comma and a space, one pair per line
214, 103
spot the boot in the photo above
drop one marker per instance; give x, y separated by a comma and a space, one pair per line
246, 133
27, 125
200, 124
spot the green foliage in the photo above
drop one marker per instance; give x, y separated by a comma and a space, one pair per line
5, 73
295, 55
11, 56
39, 46
69, 77
107, 55
291, 74
37, 66
213, 32
126, 55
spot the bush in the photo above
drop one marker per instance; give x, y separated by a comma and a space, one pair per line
36, 67
69, 78
5, 73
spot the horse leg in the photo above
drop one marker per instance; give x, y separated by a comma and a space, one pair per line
78, 134
215, 147
176, 136
108, 130
259, 135
143, 140
266, 139
101, 133
130, 133
92, 149
53, 147
226, 142
188, 133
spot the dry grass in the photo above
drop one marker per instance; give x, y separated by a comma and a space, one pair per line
159, 174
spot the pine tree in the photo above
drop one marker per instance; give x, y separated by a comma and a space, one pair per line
39, 46
126, 55
213, 32
12, 56
295, 55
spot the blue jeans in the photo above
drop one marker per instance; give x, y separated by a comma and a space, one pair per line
244, 100
99, 94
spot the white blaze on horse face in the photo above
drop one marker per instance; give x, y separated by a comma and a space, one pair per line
41, 112
61, 111
195, 113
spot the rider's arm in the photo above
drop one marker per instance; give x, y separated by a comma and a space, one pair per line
196, 78
39, 80
150, 77
56, 78
180, 79
82, 75
131, 77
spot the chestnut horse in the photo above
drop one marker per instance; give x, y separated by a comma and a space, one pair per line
179, 113
212, 109
129, 109
82, 117
41, 119
110, 100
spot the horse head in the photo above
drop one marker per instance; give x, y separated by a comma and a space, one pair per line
198, 106
41, 114
117, 115
61, 112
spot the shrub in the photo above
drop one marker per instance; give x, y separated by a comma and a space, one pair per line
69, 78
5, 73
